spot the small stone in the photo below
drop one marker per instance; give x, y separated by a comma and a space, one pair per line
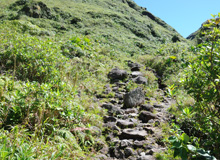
107, 89
128, 152
149, 130
147, 107
112, 109
125, 124
115, 89
119, 96
136, 74
118, 153
158, 106
113, 101
140, 80
145, 116
131, 110
135, 134
139, 144
116, 128
101, 157
132, 115
146, 157
109, 119
134, 66
126, 143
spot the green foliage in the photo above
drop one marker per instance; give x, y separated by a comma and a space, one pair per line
187, 147
29, 57
202, 82
77, 47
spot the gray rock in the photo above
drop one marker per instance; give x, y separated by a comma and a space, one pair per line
117, 74
140, 80
134, 98
118, 153
131, 110
135, 134
158, 105
115, 88
134, 66
128, 152
136, 74
147, 107
119, 96
120, 84
109, 125
113, 101
112, 109
107, 89
109, 119
101, 157
146, 157
116, 128
126, 143
139, 144
125, 124
145, 116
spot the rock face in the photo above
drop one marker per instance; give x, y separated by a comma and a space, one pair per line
131, 128
134, 98
37, 10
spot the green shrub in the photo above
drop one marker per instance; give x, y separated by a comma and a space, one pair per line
202, 82
30, 57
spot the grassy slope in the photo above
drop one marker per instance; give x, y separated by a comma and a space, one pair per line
114, 23
51, 70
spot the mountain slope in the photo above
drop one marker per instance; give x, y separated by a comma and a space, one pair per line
55, 56
117, 23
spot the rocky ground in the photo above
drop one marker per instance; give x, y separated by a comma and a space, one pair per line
132, 127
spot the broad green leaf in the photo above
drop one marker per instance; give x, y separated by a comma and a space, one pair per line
177, 144
191, 148
184, 154
173, 139
176, 152
185, 138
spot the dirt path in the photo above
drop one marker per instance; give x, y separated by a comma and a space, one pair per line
132, 127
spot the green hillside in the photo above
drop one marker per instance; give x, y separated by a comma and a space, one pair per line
59, 93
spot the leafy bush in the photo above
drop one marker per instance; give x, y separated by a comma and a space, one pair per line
202, 81
184, 148
30, 57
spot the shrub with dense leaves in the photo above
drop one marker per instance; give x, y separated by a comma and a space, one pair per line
202, 82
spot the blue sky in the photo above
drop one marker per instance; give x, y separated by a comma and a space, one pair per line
186, 16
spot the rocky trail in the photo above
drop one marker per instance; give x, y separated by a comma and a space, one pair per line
132, 126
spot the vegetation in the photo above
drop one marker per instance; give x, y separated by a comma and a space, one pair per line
54, 58
201, 81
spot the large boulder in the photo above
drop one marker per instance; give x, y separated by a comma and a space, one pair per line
117, 74
134, 98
